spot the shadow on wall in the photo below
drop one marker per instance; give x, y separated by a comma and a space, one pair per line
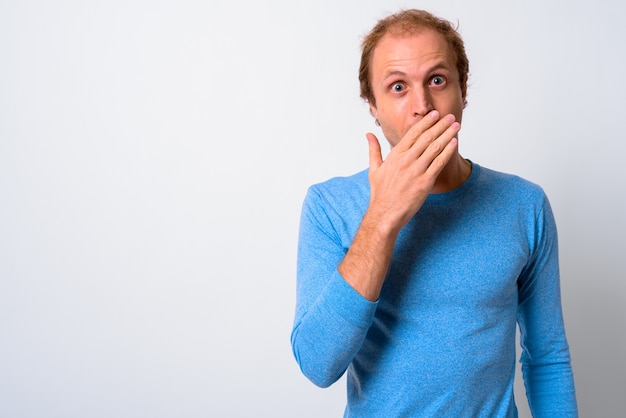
595, 327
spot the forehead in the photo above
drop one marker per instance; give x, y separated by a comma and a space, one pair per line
414, 48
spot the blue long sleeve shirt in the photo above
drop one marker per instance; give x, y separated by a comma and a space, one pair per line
440, 341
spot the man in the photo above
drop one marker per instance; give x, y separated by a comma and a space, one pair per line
413, 274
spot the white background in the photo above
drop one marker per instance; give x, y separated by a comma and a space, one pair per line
154, 156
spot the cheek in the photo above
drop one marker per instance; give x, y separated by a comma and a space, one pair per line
452, 103
459, 109
394, 129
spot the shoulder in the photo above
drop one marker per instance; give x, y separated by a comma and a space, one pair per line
343, 184
519, 203
509, 185
341, 190
343, 199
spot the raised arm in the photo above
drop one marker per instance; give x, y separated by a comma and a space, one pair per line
338, 283
399, 186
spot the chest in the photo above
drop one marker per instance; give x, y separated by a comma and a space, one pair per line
454, 260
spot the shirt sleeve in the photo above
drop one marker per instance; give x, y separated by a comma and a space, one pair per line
545, 359
331, 318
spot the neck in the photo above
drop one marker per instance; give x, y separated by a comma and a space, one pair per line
453, 175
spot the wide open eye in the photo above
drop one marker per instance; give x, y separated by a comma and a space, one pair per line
438, 80
397, 87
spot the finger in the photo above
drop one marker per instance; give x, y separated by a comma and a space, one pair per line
439, 146
440, 142
442, 158
375, 153
432, 134
416, 131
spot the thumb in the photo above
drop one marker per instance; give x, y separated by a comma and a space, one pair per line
375, 154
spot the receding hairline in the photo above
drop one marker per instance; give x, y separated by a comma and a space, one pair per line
407, 23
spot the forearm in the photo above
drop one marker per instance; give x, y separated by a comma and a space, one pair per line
367, 261
342, 267
328, 335
550, 390
331, 318
398, 188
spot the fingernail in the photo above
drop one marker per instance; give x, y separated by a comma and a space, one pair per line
434, 114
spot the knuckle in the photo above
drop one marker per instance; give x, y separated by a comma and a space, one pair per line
439, 163
435, 147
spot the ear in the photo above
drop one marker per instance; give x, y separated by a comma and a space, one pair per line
464, 91
373, 110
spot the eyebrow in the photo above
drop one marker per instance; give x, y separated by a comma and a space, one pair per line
394, 72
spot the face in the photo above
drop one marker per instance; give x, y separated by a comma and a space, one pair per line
410, 76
